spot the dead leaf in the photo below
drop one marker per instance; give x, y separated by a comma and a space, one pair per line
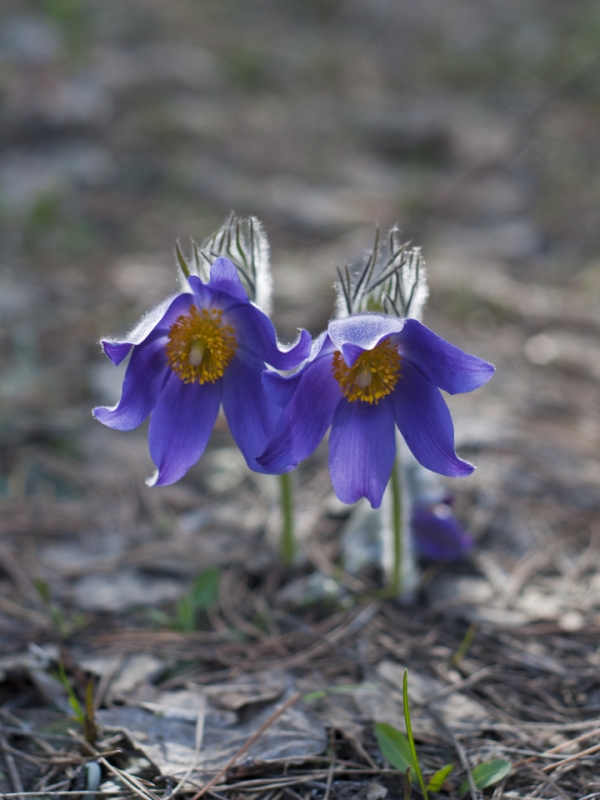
170, 742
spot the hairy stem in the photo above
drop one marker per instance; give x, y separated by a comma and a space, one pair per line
397, 532
288, 542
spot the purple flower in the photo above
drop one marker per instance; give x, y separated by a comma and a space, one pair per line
365, 375
190, 354
437, 533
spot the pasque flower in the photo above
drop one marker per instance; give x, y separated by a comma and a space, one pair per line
190, 354
366, 374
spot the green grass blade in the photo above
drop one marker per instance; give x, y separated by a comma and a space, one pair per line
464, 646
72, 697
411, 738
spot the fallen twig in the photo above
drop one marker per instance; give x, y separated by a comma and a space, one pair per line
330, 771
13, 751
460, 685
11, 766
582, 738
200, 719
575, 757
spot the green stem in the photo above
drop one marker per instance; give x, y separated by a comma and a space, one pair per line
397, 540
288, 542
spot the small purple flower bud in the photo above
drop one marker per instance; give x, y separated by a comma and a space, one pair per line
437, 534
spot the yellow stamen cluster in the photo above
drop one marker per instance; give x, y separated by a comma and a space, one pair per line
374, 375
200, 346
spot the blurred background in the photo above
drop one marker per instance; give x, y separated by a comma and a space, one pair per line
125, 125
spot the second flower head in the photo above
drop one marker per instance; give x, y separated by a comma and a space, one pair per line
366, 375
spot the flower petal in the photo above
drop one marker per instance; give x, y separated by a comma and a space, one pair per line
224, 278
362, 446
364, 330
180, 426
426, 425
442, 363
160, 318
305, 419
146, 374
251, 413
255, 334
351, 352
207, 296
279, 387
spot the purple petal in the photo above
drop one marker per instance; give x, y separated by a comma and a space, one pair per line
305, 419
208, 296
160, 318
280, 388
364, 330
351, 352
250, 412
426, 425
438, 535
180, 426
255, 334
362, 446
146, 374
115, 350
442, 363
224, 278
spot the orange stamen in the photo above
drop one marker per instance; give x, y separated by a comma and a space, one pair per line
200, 346
374, 375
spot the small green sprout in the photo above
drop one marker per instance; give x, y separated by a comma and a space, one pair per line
486, 774
202, 594
63, 625
401, 752
394, 746
409, 734
320, 694
84, 716
438, 778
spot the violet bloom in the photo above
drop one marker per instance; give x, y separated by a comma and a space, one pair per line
365, 375
190, 354
436, 532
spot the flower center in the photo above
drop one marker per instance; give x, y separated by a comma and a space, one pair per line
374, 375
200, 346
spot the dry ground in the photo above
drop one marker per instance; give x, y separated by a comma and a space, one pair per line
124, 126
